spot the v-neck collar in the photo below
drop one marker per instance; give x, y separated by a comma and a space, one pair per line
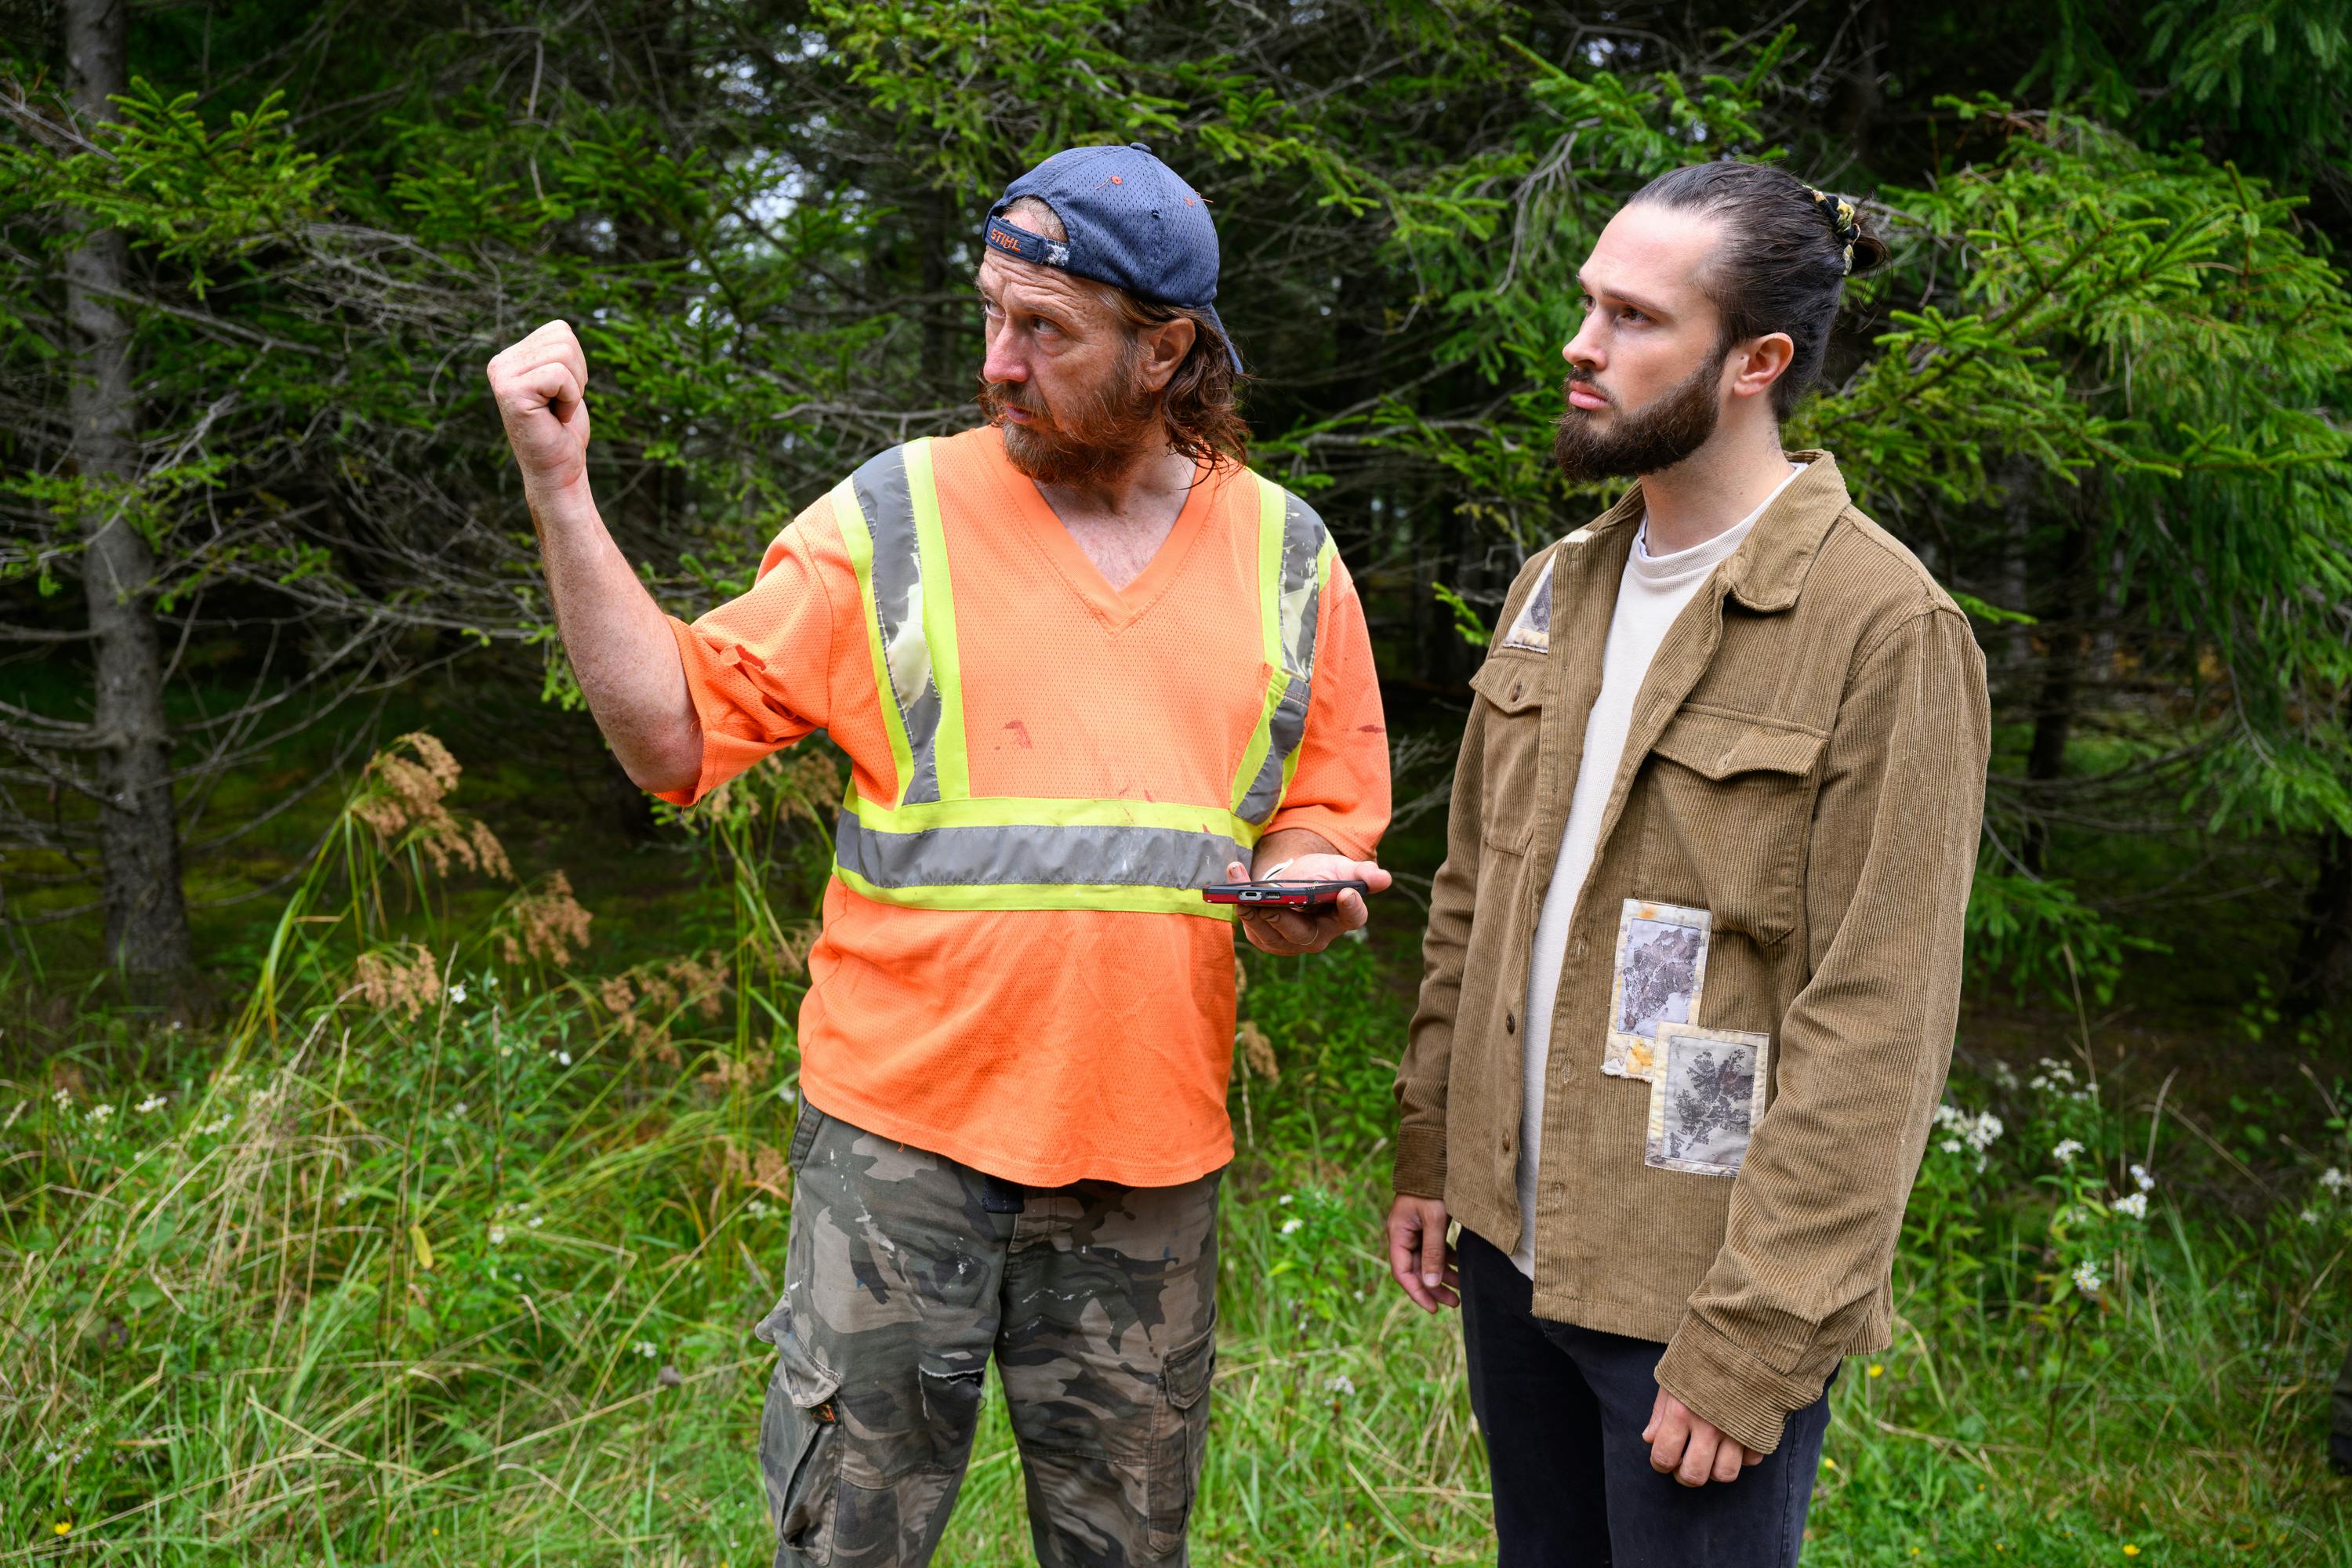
1116, 608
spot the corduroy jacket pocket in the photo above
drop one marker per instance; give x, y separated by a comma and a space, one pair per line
1734, 804
1510, 690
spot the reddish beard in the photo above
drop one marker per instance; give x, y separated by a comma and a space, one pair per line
1090, 437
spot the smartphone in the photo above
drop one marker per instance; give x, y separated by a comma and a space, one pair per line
1281, 895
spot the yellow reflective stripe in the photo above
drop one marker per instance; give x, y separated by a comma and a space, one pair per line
1272, 505
939, 624
1133, 901
1008, 811
857, 539
1324, 560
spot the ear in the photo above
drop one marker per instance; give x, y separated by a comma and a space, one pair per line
1756, 363
1164, 348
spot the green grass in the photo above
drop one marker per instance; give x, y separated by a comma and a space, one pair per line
374, 1288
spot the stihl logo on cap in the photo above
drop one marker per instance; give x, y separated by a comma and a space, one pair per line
1003, 241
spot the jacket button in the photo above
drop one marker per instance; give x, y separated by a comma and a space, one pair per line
1578, 951
1514, 697
1509, 1024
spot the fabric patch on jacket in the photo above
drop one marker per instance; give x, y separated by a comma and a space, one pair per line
1706, 1097
1660, 976
1532, 629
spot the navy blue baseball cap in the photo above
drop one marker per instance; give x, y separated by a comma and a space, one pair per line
1132, 222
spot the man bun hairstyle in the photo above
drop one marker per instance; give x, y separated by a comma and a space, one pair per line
1781, 265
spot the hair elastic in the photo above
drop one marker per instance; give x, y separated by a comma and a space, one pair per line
1842, 216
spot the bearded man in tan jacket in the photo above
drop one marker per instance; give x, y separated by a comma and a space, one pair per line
1694, 960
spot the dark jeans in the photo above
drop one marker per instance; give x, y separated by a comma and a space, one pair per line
1562, 1409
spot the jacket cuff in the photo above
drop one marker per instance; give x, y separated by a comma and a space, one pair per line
1420, 1170
1727, 1386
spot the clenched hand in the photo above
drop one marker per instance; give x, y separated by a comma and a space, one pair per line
542, 387
1691, 1448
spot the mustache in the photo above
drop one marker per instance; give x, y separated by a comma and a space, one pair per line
1584, 379
1014, 395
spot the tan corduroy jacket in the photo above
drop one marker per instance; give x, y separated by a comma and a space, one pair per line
1806, 764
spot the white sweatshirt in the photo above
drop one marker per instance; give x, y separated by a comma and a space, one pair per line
1650, 594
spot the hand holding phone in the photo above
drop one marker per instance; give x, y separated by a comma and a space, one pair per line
1303, 904
1269, 893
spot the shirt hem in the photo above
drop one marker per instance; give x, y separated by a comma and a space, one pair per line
869, 1117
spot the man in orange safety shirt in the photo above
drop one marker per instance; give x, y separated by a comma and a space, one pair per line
1084, 662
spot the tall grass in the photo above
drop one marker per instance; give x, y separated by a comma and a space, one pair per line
446, 1250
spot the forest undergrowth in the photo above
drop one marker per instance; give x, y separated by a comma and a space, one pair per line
444, 1247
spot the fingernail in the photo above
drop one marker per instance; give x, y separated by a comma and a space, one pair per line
1429, 1280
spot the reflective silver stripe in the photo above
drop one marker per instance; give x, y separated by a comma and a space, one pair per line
880, 486
1299, 607
1034, 855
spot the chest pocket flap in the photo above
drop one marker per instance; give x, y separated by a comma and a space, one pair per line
1723, 745
1512, 684
1511, 689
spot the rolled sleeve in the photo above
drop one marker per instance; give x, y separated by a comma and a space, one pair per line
1864, 1049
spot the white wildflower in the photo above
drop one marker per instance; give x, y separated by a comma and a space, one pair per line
1341, 1384
564, 1058
2086, 1278
458, 994
2143, 1178
788, 1094
1291, 1225
2067, 1150
1284, 1201
150, 1105
101, 1112
535, 1221
2133, 1203
2309, 1216
2334, 1180
1951, 1146
646, 1349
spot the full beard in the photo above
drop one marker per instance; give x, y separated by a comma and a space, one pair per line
1661, 433
1089, 440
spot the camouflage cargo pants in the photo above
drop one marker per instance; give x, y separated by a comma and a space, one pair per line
905, 1272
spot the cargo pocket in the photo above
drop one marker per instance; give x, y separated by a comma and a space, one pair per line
1511, 688
1736, 802
1181, 1436
799, 1453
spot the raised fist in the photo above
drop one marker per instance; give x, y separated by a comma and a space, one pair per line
542, 385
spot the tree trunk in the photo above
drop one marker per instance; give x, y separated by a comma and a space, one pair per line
138, 839
2062, 664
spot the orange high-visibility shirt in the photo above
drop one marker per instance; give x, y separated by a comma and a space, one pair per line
1040, 1046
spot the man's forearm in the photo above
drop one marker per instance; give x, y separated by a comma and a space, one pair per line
619, 643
